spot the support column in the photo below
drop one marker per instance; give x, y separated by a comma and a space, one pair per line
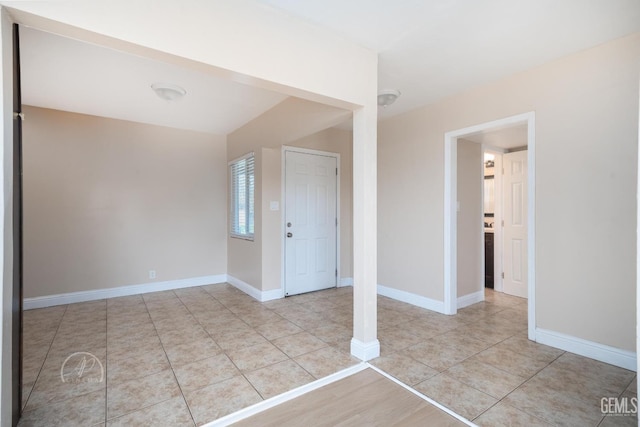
365, 344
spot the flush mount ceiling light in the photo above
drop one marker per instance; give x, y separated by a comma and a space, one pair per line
387, 97
168, 92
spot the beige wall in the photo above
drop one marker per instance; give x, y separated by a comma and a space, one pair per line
470, 269
274, 52
586, 108
410, 200
290, 120
259, 262
105, 201
271, 220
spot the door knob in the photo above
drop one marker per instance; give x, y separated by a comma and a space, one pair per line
289, 234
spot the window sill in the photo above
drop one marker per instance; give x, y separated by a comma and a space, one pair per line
236, 236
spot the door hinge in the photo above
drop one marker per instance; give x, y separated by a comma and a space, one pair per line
336, 171
503, 274
502, 222
336, 272
336, 222
502, 171
18, 115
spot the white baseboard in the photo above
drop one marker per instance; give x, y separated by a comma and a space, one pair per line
469, 299
271, 295
604, 353
365, 351
122, 291
259, 295
413, 299
345, 281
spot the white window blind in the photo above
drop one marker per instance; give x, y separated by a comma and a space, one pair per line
242, 184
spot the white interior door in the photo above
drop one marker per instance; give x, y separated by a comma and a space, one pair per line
310, 222
515, 223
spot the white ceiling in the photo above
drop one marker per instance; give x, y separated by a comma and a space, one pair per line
69, 75
431, 49
428, 49
505, 138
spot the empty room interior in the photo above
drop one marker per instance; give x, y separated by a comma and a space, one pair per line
244, 211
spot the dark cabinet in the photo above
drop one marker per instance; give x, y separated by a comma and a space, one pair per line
488, 260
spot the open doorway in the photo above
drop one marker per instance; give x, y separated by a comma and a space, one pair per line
526, 213
492, 215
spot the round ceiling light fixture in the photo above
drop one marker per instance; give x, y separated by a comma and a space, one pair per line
387, 97
168, 92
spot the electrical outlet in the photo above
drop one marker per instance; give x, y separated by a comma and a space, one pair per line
152, 274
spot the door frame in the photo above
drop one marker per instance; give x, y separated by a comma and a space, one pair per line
450, 210
17, 285
285, 149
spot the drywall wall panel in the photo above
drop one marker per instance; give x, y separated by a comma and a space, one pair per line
470, 216
586, 108
106, 201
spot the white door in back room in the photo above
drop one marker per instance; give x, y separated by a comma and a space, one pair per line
310, 222
515, 223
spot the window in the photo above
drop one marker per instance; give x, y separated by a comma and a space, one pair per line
242, 184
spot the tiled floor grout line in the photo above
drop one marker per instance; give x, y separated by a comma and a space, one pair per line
146, 375
106, 364
223, 350
270, 341
45, 357
175, 377
512, 391
486, 316
243, 374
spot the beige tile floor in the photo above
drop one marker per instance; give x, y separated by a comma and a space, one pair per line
190, 356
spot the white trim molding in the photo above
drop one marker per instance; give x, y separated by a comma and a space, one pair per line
365, 351
122, 291
422, 396
286, 396
272, 402
271, 295
450, 210
638, 249
469, 299
257, 294
413, 299
604, 353
531, 223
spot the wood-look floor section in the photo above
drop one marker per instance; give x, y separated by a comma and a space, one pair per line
363, 399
